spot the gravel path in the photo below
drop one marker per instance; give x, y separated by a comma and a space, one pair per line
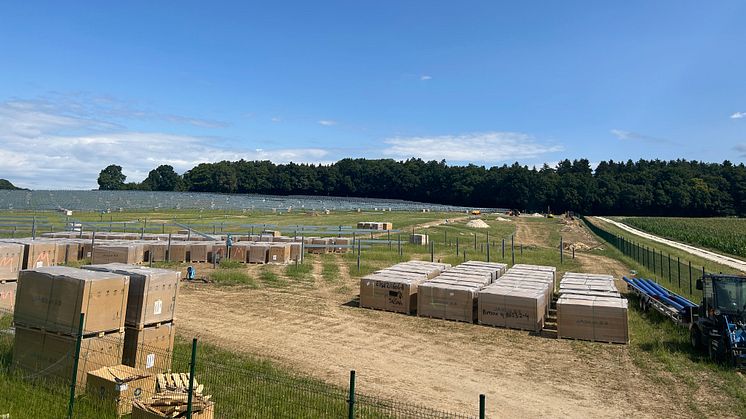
705, 254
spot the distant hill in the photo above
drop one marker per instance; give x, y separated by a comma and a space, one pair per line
5, 184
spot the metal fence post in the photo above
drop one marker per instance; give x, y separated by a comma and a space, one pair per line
512, 250
690, 277
74, 378
488, 251
482, 407
191, 378
33, 229
562, 251
358, 255
168, 251
503, 249
93, 245
457, 252
351, 398
432, 251
678, 270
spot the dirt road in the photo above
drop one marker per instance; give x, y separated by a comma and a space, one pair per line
696, 251
316, 328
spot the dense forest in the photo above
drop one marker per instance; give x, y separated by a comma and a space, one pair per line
5, 184
645, 187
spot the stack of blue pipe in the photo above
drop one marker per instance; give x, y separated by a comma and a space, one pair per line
654, 290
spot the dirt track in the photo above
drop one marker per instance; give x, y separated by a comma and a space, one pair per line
318, 329
696, 251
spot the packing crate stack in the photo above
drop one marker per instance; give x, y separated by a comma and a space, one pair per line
452, 295
419, 239
11, 261
591, 308
49, 303
395, 288
149, 329
373, 225
520, 299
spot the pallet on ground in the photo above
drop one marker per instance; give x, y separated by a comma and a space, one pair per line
51, 356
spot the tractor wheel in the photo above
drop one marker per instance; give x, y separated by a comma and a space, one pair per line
716, 352
695, 337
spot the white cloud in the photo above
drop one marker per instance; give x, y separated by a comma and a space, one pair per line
276, 119
630, 135
738, 115
425, 77
327, 122
46, 148
486, 147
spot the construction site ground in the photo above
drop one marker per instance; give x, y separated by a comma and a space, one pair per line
314, 326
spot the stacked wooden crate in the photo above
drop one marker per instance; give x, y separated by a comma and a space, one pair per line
47, 318
11, 261
396, 288
520, 299
452, 295
149, 321
591, 308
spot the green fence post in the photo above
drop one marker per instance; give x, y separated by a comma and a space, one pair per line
457, 252
488, 251
191, 378
358, 255
351, 398
562, 253
482, 407
503, 249
432, 251
74, 378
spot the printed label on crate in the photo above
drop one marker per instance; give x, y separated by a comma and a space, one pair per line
39, 264
274, 257
149, 361
158, 307
121, 387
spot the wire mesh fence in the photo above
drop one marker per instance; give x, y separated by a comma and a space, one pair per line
675, 273
52, 375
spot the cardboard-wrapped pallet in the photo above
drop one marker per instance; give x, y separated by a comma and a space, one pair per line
395, 288
279, 253
593, 318
53, 298
118, 253
258, 253
51, 356
152, 292
11, 260
7, 297
453, 294
512, 307
149, 348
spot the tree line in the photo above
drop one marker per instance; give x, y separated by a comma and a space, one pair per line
644, 187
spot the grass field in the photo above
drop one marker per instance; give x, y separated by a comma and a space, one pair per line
726, 235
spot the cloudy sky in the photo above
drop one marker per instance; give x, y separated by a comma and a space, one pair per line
84, 85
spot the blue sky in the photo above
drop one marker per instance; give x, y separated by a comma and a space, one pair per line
86, 84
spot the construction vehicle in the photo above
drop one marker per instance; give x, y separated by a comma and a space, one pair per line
476, 212
720, 327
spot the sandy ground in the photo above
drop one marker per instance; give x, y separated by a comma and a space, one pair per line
705, 254
319, 330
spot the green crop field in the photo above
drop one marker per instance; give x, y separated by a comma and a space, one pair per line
726, 235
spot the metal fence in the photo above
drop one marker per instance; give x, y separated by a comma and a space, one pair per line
676, 273
46, 375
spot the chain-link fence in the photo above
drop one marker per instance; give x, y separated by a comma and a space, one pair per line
53, 375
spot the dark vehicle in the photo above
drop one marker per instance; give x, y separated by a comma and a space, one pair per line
720, 327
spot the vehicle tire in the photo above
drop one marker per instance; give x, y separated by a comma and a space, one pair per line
716, 353
695, 337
